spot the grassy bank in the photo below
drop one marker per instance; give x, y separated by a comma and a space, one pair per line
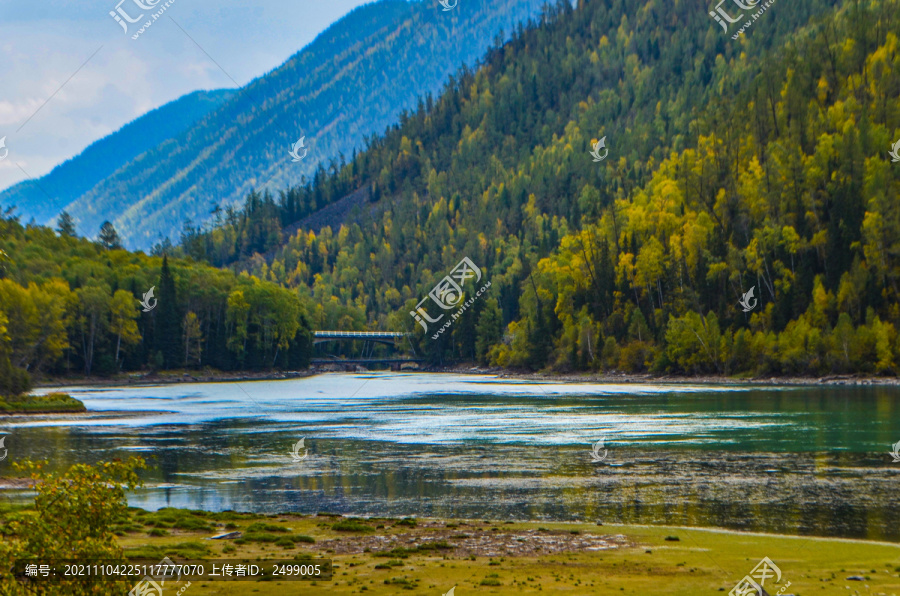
392, 556
51, 403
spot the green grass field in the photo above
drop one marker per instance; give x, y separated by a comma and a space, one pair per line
484, 557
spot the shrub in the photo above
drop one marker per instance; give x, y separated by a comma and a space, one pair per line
351, 525
263, 527
75, 512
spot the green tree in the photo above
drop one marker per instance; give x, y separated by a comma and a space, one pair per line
695, 344
489, 330
23, 321
168, 319
65, 225
14, 381
74, 514
193, 339
108, 237
5, 263
123, 321
237, 320
93, 305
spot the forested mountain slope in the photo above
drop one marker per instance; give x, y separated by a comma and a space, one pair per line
352, 81
758, 162
45, 197
761, 162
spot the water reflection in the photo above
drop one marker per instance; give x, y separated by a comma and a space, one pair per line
791, 460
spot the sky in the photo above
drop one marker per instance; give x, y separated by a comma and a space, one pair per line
70, 74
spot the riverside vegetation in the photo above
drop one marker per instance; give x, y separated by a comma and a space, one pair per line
69, 304
387, 556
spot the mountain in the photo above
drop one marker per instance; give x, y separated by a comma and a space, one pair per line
45, 197
742, 219
745, 219
351, 81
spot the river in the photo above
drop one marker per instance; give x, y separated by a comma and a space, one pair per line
796, 460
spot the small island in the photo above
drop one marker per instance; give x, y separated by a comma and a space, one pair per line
52, 403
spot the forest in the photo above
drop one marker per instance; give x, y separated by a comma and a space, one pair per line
72, 306
758, 163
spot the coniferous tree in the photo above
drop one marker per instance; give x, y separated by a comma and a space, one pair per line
109, 238
489, 330
168, 322
66, 225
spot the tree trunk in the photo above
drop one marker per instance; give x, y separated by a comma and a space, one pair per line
89, 347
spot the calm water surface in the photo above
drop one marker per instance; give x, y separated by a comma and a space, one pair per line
795, 460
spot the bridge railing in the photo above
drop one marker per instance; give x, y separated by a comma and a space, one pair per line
359, 334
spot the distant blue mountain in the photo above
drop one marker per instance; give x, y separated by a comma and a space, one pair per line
44, 198
352, 81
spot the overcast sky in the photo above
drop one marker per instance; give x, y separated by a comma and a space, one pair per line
43, 45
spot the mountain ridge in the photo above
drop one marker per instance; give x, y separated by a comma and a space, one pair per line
336, 91
53, 192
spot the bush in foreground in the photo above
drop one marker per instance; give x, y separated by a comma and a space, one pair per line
73, 518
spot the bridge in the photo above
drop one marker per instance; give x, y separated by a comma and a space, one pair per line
369, 339
388, 338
